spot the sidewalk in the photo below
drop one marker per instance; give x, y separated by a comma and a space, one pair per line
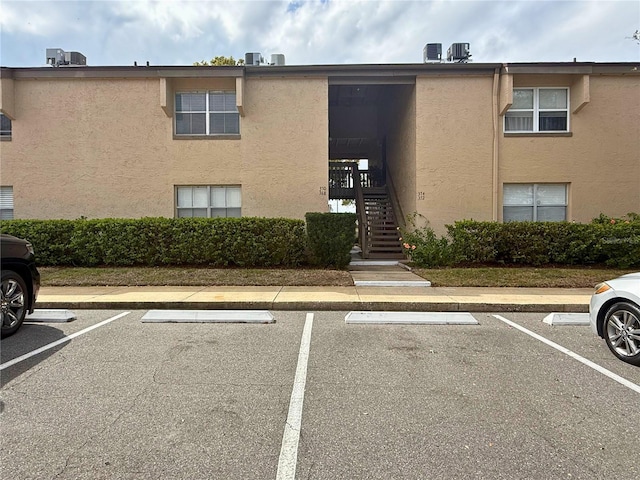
442, 299
378, 286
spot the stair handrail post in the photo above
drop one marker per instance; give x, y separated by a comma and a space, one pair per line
362, 222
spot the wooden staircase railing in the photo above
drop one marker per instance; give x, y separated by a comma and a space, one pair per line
377, 226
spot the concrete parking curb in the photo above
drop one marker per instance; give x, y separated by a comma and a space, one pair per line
418, 299
410, 318
319, 305
53, 315
208, 316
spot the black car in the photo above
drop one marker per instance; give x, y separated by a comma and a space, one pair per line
20, 282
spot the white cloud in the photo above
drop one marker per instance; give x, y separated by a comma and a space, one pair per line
316, 31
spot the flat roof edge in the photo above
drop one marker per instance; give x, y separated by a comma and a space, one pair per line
123, 72
350, 70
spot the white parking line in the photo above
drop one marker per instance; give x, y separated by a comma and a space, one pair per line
291, 436
566, 351
59, 342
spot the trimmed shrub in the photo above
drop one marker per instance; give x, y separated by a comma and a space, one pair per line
474, 242
244, 242
330, 237
618, 245
540, 243
613, 242
51, 239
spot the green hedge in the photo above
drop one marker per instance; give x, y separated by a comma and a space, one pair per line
244, 242
50, 238
330, 238
606, 241
540, 243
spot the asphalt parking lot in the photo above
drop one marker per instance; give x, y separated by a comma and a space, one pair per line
132, 400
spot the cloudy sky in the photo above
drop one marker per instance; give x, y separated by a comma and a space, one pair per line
313, 32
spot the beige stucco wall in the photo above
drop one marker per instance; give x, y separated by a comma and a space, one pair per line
285, 146
95, 148
401, 147
600, 160
105, 148
7, 102
454, 146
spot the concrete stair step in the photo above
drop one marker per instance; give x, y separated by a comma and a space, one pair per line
386, 255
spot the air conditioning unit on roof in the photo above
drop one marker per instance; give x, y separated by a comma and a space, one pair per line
432, 52
253, 58
75, 58
56, 57
458, 52
277, 59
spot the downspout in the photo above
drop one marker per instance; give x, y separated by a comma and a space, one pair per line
496, 157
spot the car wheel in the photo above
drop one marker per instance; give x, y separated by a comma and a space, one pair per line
622, 332
13, 297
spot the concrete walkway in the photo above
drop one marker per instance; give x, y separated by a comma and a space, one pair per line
379, 285
444, 299
384, 274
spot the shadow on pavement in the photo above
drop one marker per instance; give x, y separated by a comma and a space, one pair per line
30, 337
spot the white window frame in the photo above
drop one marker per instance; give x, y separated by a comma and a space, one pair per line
536, 111
230, 110
232, 207
6, 202
535, 202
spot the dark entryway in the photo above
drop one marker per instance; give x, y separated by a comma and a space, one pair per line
358, 129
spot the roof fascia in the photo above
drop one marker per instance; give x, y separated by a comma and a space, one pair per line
127, 72
382, 72
572, 68
389, 71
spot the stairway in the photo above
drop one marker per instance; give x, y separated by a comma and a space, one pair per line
381, 226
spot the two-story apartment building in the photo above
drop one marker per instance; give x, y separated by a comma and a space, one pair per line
539, 141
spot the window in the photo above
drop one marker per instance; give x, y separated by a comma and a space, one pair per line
538, 110
207, 113
5, 126
6, 203
542, 202
208, 201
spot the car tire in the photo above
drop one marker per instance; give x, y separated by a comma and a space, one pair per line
621, 329
13, 296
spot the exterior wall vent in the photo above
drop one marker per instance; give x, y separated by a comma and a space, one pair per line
56, 57
458, 52
432, 52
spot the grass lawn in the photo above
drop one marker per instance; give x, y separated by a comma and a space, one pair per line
580, 277
191, 276
554, 277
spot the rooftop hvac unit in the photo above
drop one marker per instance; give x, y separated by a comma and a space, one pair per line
458, 52
253, 58
277, 59
57, 57
432, 52
75, 58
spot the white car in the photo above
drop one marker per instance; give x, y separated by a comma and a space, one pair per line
614, 313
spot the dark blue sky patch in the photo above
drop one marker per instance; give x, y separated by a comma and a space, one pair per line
293, 6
